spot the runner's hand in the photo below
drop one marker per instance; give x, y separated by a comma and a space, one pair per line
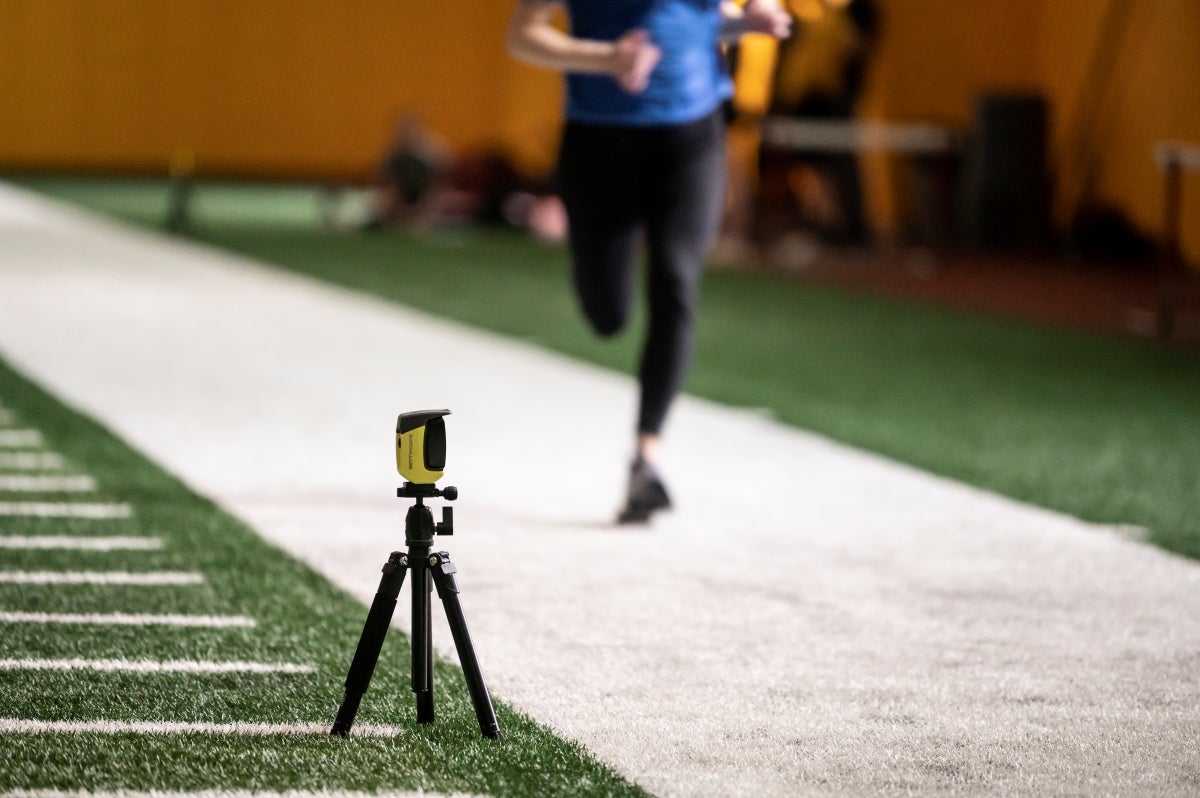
766, 16
634, 59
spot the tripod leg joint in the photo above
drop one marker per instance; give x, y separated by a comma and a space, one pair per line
443, 572
395, 562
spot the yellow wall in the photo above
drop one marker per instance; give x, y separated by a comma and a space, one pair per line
249, 85
936, 55
1153, 94
312, 87
932, 59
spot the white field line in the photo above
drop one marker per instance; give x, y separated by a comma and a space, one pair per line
31, 484
147, 579
32, 461
64, 510
151, 666
127, 619
229, 794
22, 726
79, 543
20, 439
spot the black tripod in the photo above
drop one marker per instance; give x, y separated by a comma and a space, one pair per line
428, 569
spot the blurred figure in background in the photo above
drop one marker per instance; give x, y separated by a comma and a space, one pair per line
819, 75
643, 153
409, 180
421, 185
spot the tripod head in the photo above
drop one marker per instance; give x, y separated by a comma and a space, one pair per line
419, 492
419, 525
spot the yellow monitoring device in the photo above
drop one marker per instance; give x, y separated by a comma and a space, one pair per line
421, 446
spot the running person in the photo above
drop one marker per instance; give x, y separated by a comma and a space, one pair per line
643, 153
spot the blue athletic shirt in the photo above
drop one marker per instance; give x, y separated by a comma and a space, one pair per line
688, 83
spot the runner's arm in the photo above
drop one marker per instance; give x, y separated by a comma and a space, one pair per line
533, 38
756, 16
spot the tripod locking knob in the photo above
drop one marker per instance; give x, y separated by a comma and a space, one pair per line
450, 493
446, 525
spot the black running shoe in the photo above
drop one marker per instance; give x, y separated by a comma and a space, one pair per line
647, 494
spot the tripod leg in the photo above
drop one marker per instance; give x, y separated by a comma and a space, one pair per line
425, 700
443, 572
370, 642
422, 636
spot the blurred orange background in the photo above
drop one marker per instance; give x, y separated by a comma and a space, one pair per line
308, 88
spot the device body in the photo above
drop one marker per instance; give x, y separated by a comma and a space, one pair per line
421, 446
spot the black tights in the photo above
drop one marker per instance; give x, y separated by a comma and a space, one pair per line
666, 183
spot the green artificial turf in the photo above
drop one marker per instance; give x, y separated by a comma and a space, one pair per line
1104, 428
300, 618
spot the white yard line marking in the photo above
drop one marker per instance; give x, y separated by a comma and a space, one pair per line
65, 510
150, 666
230, 794
148, 579
20, 439
32, 461
79, 543
23, 726
31, 484
127, 619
